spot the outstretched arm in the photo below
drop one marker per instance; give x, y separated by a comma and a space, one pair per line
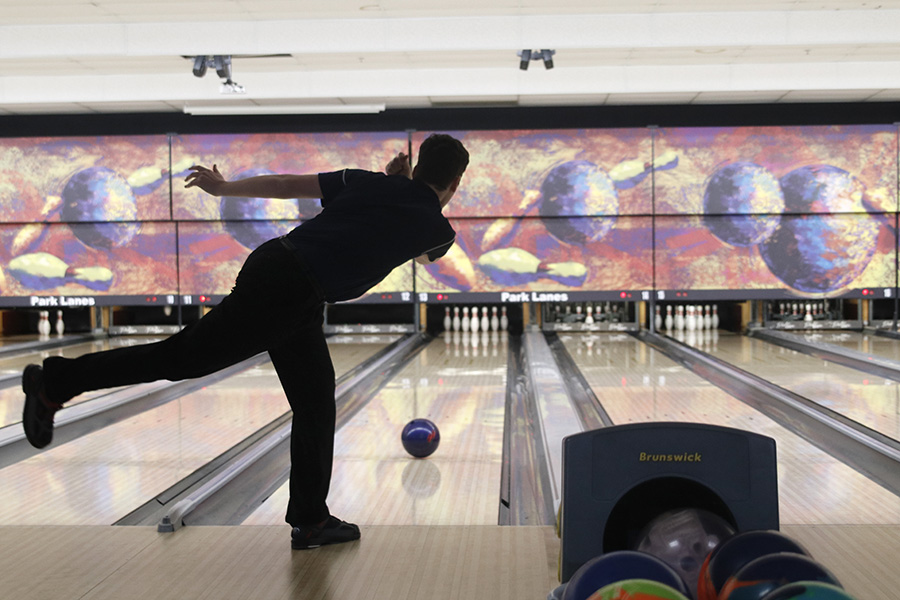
262, 186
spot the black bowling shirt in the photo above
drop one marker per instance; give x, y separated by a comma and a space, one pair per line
370, 224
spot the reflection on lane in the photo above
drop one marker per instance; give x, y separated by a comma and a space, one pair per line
638, 384
867, 399
12, 400
459, 382
101, 477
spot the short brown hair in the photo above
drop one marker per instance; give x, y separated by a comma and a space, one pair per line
442, 158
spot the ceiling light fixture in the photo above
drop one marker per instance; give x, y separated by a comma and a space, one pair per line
526, 56
285, 109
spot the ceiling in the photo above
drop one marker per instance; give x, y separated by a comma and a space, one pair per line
105, 56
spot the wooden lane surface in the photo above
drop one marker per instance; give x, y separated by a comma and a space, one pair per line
389, 563
255, 563
637, 384
100, 477
462, 388
865, 398
11, 398
878, 345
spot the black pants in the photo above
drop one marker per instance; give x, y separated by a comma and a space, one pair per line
274, 306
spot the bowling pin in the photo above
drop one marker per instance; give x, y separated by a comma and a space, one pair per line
60, 326
808, 316
485, 322
495, 320
707, 317
691, 320
44, 324
504, 320
715, 317
670, 321
456, 321
589, 319
465, 319
679, 318
475, 322
657, 319
448, 322
578, 315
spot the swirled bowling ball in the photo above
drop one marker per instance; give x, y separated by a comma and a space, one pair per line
637, 589
808, 590
742, 204
103, 203
768, 573
683, 538
420, 437
732, 554
611, 567
578, 189
252, 221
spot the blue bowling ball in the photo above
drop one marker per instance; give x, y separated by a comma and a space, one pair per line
611, 567
420, 438
732, 554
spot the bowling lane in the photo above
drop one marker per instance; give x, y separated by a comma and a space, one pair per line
12, 400
883, 347
638, 384
462, 388
101, 477
865, 398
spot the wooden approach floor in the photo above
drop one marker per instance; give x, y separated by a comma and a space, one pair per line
389, 563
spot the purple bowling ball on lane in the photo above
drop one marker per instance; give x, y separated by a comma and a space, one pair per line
742, 204
420, 438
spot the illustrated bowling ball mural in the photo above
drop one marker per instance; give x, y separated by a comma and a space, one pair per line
578, 188
252, 221
742, 204
821, 253
683, 539
104, 203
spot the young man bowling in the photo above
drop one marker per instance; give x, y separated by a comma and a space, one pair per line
370, 224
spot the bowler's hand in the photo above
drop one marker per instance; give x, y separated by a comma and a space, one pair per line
210, 181
399, 165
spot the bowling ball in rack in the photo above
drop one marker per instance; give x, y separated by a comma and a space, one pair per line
766, 574
732, 554
420, 438
683, 539
637, 589
808, 590
611, 567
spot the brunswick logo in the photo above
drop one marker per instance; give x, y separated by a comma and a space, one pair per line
686, 457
